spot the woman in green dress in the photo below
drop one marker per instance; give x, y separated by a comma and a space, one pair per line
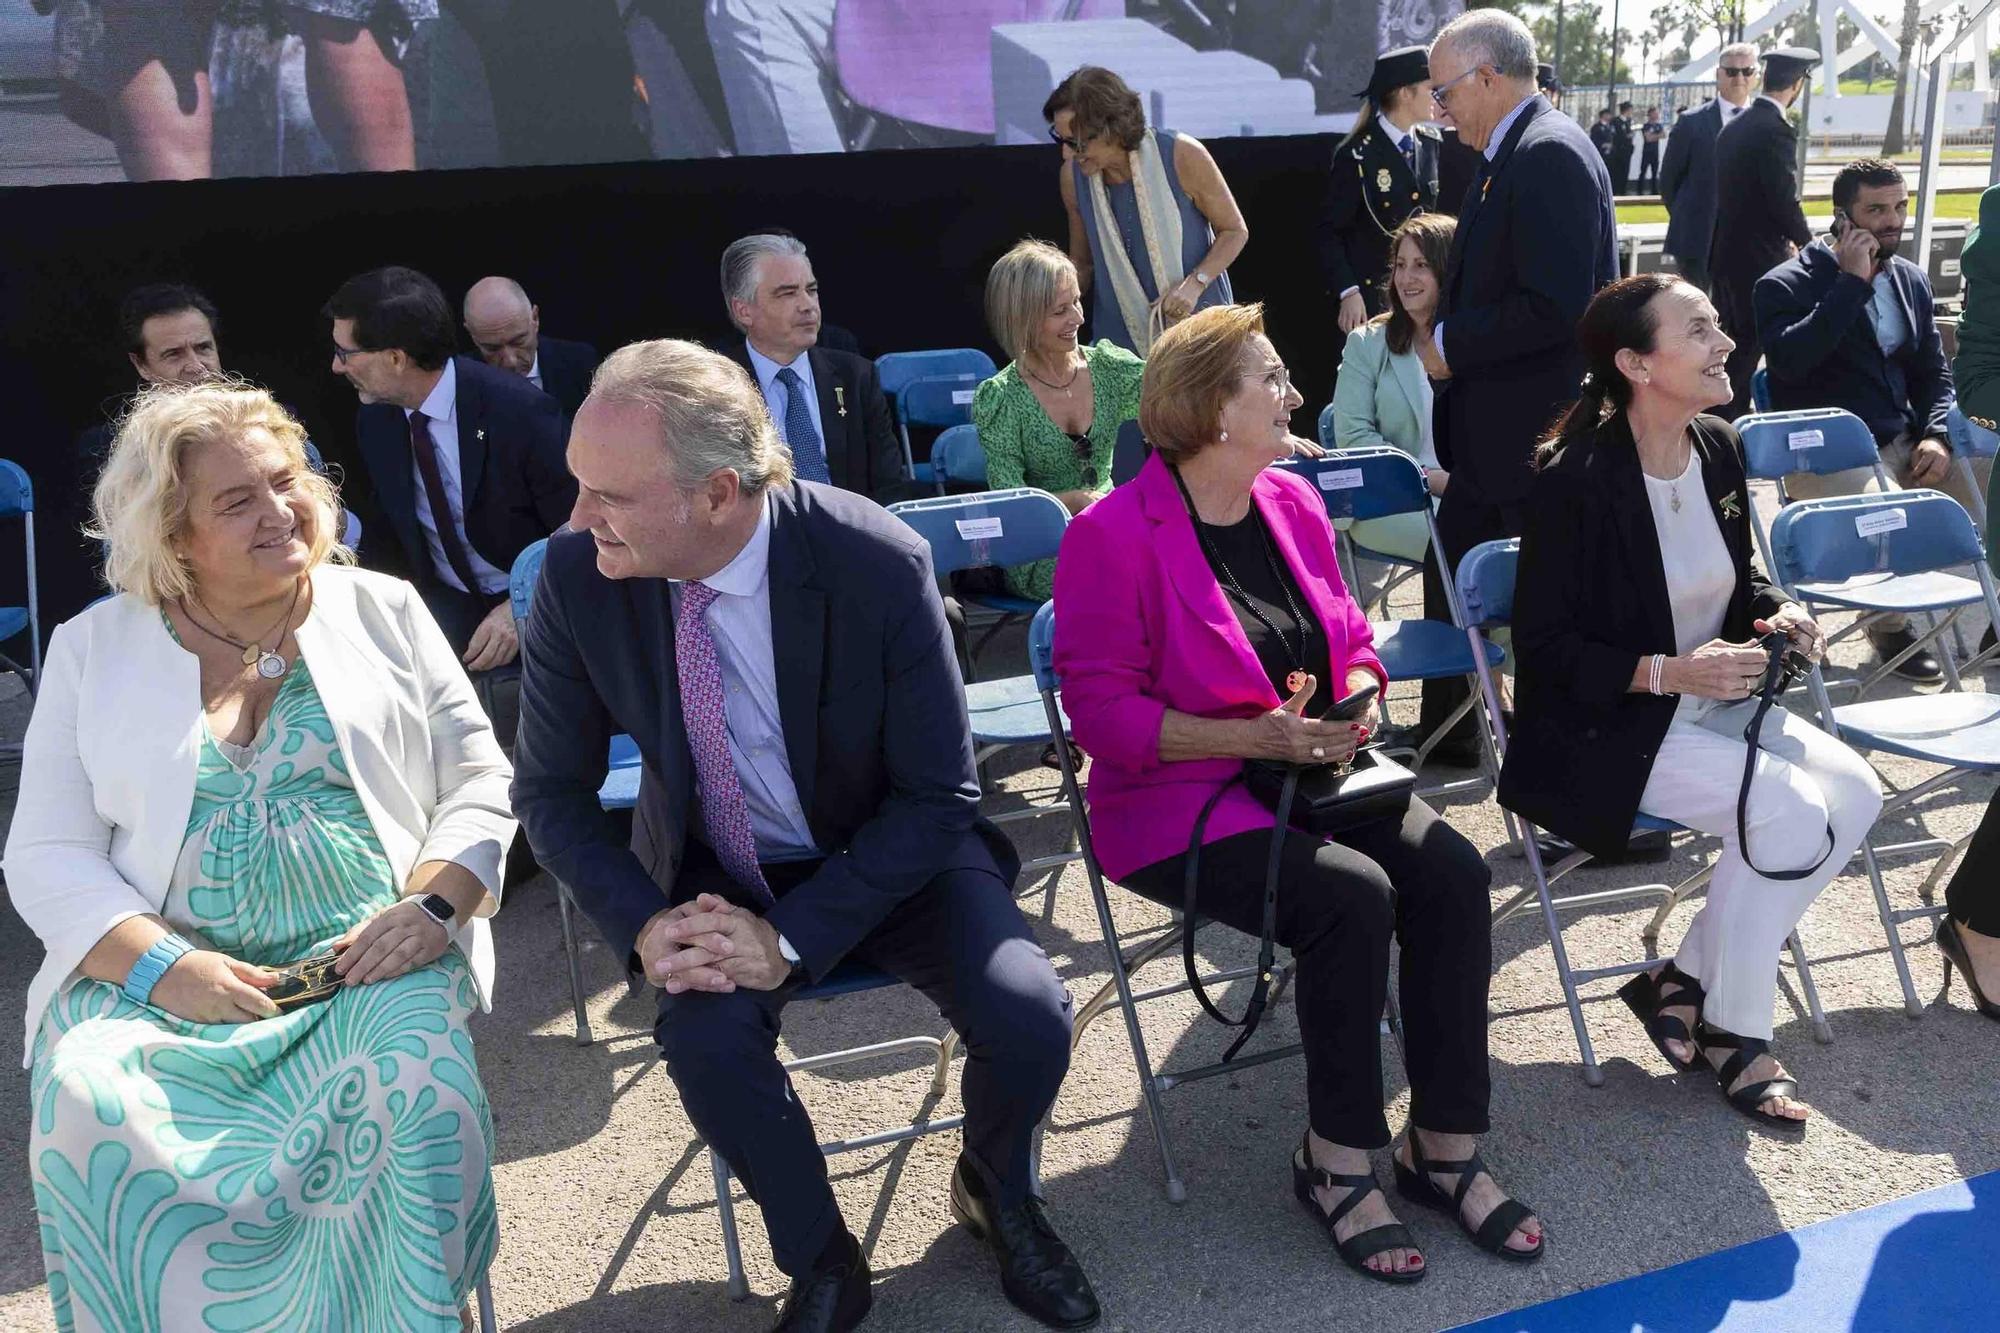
1049, 419
250, 756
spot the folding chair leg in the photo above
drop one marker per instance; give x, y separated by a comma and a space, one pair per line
1911, 1004
1822, 1030
1148, 1086
725, 1212
487, 1320
946, 1050
1592, 1075
583, 1036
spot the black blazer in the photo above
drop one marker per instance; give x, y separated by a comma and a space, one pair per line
566, 369
868, 693
1369, 192
516, 486
1536, 240
1457, 164
1821, 349
1757, 210
1590, 601
1687, 183
863, 453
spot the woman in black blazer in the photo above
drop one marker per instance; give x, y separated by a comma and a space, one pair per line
1637, 612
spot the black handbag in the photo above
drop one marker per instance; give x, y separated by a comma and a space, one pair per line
1320, 799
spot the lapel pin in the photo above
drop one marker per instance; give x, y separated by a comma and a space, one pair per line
1484, 186
840, 398
479, 434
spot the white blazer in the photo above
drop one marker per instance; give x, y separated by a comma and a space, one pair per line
108, 770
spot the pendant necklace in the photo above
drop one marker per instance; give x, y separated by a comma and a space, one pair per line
269, 665
1075, 370
1295, 679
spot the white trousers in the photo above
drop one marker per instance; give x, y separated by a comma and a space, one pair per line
1805, 781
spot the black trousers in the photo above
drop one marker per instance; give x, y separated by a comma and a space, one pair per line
1731, 295
1338, 905
1973, 896
1463, 523
1649, 167
962, 942
458, 614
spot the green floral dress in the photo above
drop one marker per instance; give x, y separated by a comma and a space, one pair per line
1024, 447
327, 1169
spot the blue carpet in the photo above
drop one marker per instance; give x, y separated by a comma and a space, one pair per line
1926, 1264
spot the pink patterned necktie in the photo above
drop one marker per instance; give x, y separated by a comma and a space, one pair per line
724, 812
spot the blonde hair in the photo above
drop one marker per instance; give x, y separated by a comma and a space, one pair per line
711, 414
140, 507
1020, 289
1191, 372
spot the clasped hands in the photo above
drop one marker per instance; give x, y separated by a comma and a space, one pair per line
711, 944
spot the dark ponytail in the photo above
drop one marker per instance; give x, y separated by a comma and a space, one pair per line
1619, 317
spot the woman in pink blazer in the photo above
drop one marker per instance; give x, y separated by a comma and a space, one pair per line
1201, 621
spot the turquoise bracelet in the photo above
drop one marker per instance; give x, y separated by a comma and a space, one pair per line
153, 965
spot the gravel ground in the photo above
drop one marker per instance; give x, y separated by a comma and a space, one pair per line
608, 1215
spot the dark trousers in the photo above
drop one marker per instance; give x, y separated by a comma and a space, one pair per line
1463, 523
1649, 167
1973, 896
962, 942
1338, 905
1731, 295
458, 614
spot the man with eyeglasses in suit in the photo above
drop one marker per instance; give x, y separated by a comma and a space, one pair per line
1687, 177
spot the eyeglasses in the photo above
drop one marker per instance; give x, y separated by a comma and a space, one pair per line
1074, 145
341, 354
1438, 93
1739, 71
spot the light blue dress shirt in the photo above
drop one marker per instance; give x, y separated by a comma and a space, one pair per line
766, 370
1885, 312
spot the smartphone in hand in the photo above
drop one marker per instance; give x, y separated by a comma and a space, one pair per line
1353, 705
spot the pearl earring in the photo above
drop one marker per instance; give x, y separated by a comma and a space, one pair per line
1225, 437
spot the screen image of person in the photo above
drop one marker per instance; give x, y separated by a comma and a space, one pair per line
250, 756
1638, 606
1169, 705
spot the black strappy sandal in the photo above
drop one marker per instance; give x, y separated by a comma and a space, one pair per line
1750, 1098
1642, 996
1362, 1246
1492, 1233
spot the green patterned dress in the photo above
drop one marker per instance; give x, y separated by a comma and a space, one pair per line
327, 1169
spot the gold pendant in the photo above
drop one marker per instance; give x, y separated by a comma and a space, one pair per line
251, 654
1296, 681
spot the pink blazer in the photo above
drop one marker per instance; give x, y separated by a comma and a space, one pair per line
1142, 626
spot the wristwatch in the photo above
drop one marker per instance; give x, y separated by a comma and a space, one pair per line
1202, 278
438, 908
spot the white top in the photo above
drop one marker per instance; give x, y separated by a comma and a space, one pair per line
739, 620
442, 410
766, 370
108, 767
1701, 577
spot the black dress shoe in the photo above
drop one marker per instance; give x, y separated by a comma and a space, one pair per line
1037, 1271
1922, 667
832, 1299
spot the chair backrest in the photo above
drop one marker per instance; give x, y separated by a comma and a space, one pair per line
1326, 427
1760, 390
1820, 439
897, 369
1486, 582
1364, 483
990, 528
939, 400
1128, 453
957, 456
1968, 440
17, 493
1909, 532
1042, 647
521, 579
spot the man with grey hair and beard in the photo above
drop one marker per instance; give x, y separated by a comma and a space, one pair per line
777, 648
1687, 177
827, 405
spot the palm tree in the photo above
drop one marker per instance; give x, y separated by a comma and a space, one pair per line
1906, 40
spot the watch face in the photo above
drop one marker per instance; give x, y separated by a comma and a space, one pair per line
437, 907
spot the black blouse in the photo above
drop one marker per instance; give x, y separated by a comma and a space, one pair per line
1246, 549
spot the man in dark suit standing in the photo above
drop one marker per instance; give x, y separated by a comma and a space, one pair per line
1687, 177
1758, 221
777, 648
1536, 240
828, 405
506, 327
465, 463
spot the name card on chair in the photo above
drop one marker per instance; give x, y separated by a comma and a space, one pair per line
1888, 520
1806, 439
1340, 479
978, 529
961, 397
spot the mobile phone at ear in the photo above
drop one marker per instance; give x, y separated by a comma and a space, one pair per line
1841, 222
1354, 705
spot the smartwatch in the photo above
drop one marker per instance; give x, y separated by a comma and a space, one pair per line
438, 908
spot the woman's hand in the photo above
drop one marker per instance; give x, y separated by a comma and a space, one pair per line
1304, 448
1436, 478
210, 987
1716, 670
1353, 311
1799, 627
1426, 349
397, 939
1178, 303
1286, 735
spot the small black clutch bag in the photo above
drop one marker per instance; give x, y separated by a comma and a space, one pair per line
1332, 800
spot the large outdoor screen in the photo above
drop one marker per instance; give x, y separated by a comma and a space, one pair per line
107, 90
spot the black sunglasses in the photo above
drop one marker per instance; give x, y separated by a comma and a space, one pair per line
1739, 71
1074, 145
1084, 449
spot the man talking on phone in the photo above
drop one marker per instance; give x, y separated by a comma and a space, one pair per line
1848, 323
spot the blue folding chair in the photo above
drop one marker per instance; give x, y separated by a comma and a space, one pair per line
992, 529
1326, 435
1908, 534
1828, 440
1128, 452
620, 790
957, 457
1760, 390
1486, 579
17, 500
950, 374
1360, 484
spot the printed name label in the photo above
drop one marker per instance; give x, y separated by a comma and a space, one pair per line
1888, 520
960, 397
978, 529
1340, 479
1807, 439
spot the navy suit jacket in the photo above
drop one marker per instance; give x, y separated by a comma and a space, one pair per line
1536, 240
516, 486
1758, 216
868, 694
1687, 183
1820, 346
566, 369
863, 453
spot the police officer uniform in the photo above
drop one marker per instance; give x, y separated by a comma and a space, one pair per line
1376, 183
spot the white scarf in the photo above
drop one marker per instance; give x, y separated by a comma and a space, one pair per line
1160, 225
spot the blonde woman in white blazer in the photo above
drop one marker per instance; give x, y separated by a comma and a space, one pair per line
250, 756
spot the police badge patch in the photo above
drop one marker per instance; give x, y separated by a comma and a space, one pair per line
1382, 180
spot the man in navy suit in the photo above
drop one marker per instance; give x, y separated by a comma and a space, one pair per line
1687, 177
1536, 239
465, 462
1848, 323
778, 650
506, 327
